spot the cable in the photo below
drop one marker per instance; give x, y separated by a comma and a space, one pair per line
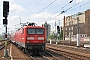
46, 6
33, 8
67, 9
63, 7
81, 5
70, 8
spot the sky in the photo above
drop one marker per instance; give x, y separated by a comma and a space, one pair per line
40, 11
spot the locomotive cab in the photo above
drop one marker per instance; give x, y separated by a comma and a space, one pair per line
35, 38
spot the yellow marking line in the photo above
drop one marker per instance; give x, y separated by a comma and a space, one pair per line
11, 52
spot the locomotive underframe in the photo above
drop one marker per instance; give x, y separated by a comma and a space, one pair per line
32, 47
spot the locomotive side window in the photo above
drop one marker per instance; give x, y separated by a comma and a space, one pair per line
31, 31
39, 31
23, 31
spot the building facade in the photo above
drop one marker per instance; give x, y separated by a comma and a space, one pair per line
87, 22
79, 21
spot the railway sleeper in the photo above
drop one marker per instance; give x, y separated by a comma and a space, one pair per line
69, 55
74, 55
70, 51
63, 54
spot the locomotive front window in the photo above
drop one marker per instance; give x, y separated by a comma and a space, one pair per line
35, 31
39, 31
31, 31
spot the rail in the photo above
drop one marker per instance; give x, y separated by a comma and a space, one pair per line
69, 53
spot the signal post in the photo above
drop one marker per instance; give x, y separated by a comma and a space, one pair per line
5, 22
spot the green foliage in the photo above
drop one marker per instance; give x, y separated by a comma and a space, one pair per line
60, 37
52, 36
1, 38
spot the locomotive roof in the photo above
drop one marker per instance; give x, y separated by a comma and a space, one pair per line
30, 27
33, 27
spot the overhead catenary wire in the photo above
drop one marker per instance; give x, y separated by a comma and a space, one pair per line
33, 8
67, 9
52, 3
81, 5
62, 7
45, 7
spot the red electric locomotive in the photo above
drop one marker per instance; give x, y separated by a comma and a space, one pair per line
31, 38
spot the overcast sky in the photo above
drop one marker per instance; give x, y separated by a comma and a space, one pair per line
39, 11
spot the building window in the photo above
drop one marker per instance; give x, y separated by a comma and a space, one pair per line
68, 18
71, 28
65, 33
72, 22
85, 35
66, 29
71, 33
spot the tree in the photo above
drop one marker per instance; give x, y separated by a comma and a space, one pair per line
61, 35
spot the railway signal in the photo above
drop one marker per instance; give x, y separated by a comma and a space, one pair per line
5, 15
5, 8
5, 35
5, 21
58, 30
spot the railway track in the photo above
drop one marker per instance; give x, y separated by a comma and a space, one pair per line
49, 56
77, 49
57, 56
18, 54
43, 56
2, 53
2, 44
53, 52
69, 52
53, 55
36, 57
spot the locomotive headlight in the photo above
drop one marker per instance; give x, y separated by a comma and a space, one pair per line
27, 41
40, 38
43, 41
30, 38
